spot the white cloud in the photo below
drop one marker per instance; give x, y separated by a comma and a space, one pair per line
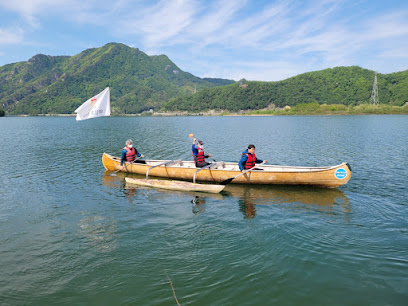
266, 71
159, 24
10, 36
27, 9
213, 22
33, 11
396, 53
388, 26
275, 34
324, 35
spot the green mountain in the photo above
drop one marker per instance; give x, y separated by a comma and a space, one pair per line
138, 82
59, 84
349, 86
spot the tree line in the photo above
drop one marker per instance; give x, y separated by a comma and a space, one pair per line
349, 86
59, 84
140, 83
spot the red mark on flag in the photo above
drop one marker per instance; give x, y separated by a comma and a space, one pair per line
93, 100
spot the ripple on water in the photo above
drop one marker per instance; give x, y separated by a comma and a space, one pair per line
70, 234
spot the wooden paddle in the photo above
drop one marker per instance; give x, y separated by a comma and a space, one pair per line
114, 173
227, 181
191, 136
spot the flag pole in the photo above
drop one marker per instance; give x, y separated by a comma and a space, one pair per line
111, 131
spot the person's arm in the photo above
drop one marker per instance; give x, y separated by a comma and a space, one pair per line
241, 163
123, 157
138, 154
258, 161
194, 149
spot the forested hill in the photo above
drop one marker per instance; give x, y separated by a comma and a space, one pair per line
340, 85
138, 82
59, 84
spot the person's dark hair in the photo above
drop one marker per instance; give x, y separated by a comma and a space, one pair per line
251, 146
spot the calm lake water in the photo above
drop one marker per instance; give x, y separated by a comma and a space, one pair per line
70, 234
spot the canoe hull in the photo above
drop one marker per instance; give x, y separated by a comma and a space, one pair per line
175, 185
333, 176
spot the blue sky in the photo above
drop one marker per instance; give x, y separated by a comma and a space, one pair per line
255, 40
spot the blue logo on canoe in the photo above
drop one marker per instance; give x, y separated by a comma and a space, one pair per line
340, 173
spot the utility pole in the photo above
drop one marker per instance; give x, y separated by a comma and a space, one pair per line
374, 94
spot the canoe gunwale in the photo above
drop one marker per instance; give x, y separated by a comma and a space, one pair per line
265, 168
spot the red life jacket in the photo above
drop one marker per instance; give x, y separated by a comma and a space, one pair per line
200, 157
250, 163
131, 154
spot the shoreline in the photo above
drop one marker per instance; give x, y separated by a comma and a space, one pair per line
216, 115
295, 111
303, 109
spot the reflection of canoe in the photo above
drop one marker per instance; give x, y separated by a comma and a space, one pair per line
175, 185
288, 194
112, 181
331, 176
250, 198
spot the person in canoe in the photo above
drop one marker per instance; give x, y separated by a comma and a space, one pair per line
248, 159
199, 153
129, 153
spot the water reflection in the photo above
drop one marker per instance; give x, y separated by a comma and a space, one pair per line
113, 181
198, 204
247, 205
198, 199
130, 194
100, 232
318, 199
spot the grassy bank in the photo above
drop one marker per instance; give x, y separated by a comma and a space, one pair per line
333, 109
300, 109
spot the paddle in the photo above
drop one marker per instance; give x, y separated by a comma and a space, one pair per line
227, 181
191, 136
114, 173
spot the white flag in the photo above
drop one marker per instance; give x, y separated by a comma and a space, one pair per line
97, 106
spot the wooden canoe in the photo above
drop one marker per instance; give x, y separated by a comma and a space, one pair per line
330, 176
175, 185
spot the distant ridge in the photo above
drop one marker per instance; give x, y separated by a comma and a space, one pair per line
59, 84
349, 86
